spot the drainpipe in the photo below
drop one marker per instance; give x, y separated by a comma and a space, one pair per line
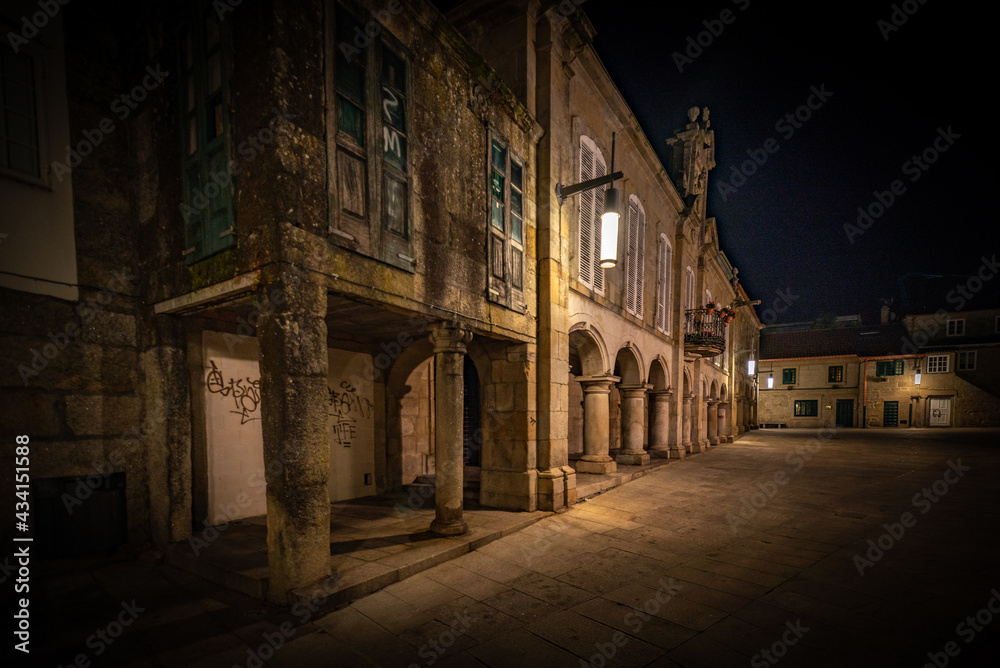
864, 401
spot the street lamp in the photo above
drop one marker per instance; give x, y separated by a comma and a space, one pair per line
610, 216
770, 381
916, 376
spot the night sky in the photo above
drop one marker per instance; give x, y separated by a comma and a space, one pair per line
784, 227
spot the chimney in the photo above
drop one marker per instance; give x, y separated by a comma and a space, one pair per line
885, 314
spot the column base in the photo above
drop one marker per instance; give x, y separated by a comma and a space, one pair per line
693, 448
661, 453
715, 440
449, 528
677, 452
632, 458
596, 464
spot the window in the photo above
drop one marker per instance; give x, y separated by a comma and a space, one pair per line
205, 102
635, 256
889, 368
20, 138
788, 376
689, 289
506, 225
591, 208
370, 208
956, 327
807, 408
664, 270
937, 364
835, 374
967, 360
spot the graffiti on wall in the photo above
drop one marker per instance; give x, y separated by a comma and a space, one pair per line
244, 392
346, 407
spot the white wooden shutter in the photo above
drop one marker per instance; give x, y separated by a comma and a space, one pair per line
640, 256
663, 284
598, 210
631, 257
586, 251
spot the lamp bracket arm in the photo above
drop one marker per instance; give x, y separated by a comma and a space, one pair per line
562, 192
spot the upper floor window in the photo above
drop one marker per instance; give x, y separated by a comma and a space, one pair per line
938, 363
591, 207
369, 119
967, 360
635, 256
835, 374
956, 327
21, 149
664, 272
506, 225
889, 368
788, 376
207, 206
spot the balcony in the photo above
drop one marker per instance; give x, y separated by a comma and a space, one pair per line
704, 333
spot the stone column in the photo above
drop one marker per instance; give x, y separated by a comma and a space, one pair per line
633, 423
596, 391
294, 405
659, 445
724, 424
449, 396
712, 421
687, 443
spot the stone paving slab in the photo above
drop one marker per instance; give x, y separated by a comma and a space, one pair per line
663, 571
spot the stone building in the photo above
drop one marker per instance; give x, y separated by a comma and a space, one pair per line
929, 370
295, 253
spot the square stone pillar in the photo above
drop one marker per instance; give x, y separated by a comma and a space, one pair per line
596, 399
633, 413
294, 412
449, 397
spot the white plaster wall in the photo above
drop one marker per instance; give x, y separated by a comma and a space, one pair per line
230, 385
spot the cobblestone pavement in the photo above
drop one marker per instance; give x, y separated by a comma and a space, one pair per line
788, 547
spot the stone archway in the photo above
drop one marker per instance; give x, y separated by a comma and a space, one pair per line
659, 410
632, 393
590, 387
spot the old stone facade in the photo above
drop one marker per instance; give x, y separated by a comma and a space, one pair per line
313, 251
868, 376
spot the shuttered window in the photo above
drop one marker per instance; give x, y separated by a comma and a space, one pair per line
591, 207
689, 289
635, 256
664, 260
505, 225
370, 203
208, 206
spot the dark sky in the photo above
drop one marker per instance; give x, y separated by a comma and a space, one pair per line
784, 228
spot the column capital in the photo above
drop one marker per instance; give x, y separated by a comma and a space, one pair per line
597, 384
712, 402
634, 390
449, 337
661, 394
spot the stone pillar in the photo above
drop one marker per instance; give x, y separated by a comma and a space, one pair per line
449, 396
687, 443
633, 425
724, 424
712, 421
659, 442
596, 391
294, 405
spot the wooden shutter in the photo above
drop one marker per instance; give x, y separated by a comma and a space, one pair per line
663, 285
598, 209
586, 275
640, 263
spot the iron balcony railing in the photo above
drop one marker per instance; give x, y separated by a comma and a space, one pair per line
704, 332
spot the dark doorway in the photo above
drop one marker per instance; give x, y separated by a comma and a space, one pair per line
890, 414
472, 435
845, 412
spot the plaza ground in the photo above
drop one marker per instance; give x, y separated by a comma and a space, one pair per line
753, 553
